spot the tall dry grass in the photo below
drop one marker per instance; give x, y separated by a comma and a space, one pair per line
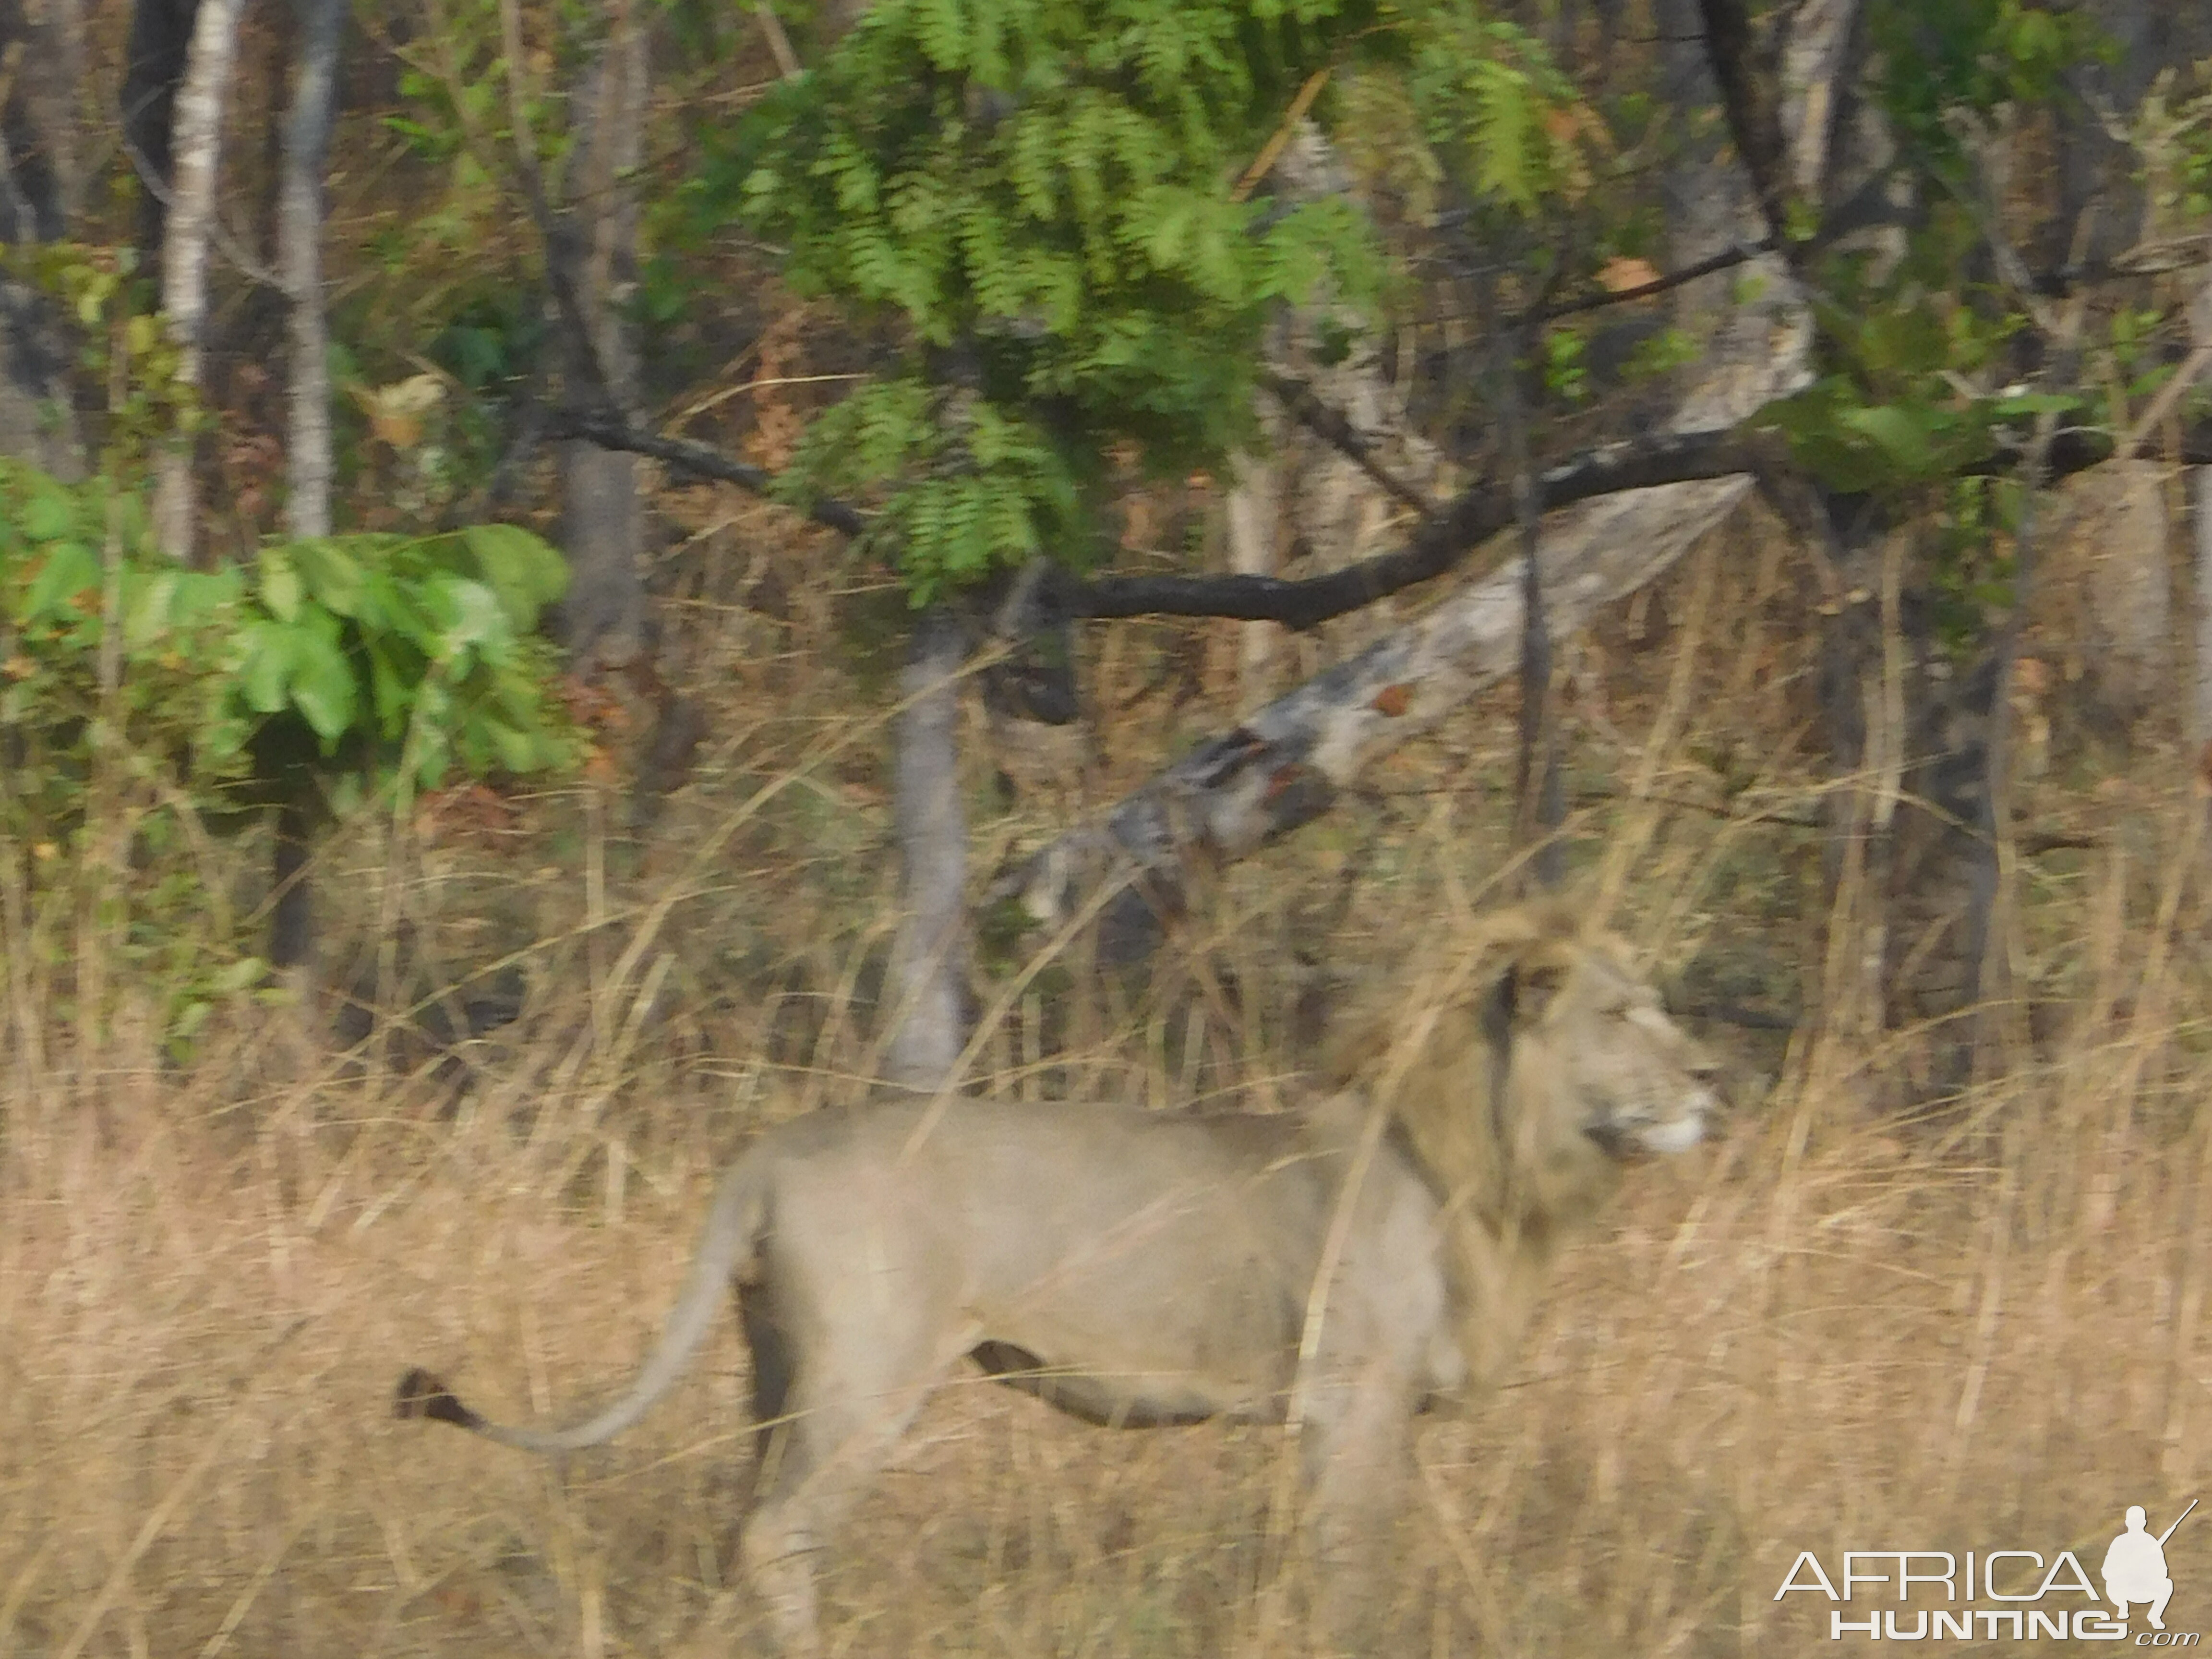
1830, 1331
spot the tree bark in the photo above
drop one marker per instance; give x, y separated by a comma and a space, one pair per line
40, 182
602, 516
2200, 726
299, 262
154, 65
927, 992
196, 149
1319, 500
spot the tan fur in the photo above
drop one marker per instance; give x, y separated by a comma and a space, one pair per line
1138, 1267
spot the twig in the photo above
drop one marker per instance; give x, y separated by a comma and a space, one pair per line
1330, 425
779, 43
1271, 152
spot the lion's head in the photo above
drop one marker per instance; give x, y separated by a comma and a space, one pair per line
1592, 1054
1523, 1079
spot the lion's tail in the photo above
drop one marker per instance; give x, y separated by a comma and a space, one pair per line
734, 1223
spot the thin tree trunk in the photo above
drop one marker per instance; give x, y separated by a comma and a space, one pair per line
196, 147
155, 58
1539, 797
927, 994
300, 264
40, 184
602, 516
2200, 732
1254, 514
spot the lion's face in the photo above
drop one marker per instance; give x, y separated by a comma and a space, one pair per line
1636, 1083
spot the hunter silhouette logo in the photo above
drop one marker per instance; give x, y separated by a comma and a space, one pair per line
2134, 1567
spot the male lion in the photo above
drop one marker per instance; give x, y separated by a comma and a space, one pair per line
1341, 1267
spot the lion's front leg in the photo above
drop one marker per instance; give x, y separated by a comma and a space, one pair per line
1356, 1451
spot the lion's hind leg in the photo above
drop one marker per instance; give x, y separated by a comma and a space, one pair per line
840, 1406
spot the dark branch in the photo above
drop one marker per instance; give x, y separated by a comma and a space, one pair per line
1727, 259
1866, 209
609, 431
1330, 425
1440, 542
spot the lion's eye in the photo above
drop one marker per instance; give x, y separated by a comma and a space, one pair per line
1617, 1011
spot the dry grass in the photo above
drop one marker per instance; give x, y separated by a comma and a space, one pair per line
1866, 1341
1828, 1333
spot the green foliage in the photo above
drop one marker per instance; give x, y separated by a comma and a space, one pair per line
1970, 564
1897, 406
1566, 374
1046, 194
1906, 409
1502, 122
1940, 57
1661, 353
413, 655
124, 347
421, 648
1859, 446
2195, 191
418, 651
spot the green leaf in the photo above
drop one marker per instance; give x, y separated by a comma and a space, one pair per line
1897, 431
323, 687
69, 570
390, 686
51, 511
468, 613
332, 573
241, 975
266, 673
148, 606
519, 751
526, 571
281, 587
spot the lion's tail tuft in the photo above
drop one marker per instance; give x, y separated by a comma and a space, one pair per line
421, 1394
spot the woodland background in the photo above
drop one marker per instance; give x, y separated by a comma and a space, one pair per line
576, 579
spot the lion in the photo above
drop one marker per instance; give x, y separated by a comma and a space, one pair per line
1341, 1268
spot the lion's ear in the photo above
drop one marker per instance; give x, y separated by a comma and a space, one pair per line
1524, 992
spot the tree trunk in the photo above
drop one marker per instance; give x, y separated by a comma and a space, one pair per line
300, 264
1304, 505
926, 992
602, 516
306, 136
153, 66
40, 182
196, 144
2198, 728
1256, 509
2200, 725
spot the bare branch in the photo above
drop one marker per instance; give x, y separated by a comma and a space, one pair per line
1438, 545
1332, 427
605, 427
